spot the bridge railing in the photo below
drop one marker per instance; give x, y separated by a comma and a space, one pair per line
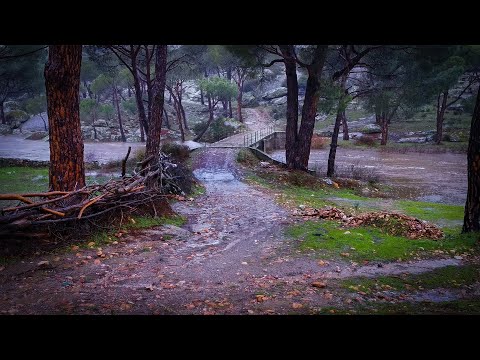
252, 137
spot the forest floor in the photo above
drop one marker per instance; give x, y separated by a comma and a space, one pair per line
242, 250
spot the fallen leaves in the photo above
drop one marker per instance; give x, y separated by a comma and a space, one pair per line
43, 264
319, 284
297, 306
393, 223
261, 298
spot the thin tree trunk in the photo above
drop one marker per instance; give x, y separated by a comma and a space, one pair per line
210, 119
167, 122
62, 83
336, 129
440, 115
184, 116
230, 113
471, 221
2, 114
142, 133
292, 103
117, 105
138, 95
309, 109
201, 97
129, 92
179, 119
155, 126
44, 122
225, 108
89, 91
346, 135
239, 104
384, 127
229, 77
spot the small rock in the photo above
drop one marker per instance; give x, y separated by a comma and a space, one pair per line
244, 263
319, 284
458, 257
44, 263
346, 232
302, 207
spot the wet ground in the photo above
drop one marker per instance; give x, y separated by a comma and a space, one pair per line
440, 178
15, 146
231, 257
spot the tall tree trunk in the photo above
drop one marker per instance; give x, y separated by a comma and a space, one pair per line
384, 127
229, 78
167, 122
142, 133
184, 116
119, 115
471, 221
2, 114
440, 115
346, 136
129, 91
138, 95
225, 108
210, 119
155, 126
179, 119
239, 103
89, 91
62, 83
292, 103
309, 109
378, 118
336, 129
201, 97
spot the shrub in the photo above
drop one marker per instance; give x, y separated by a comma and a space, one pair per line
318, 142
16, 115
138, 154
178, 152
301, 178
366, 140
246, 157
218, 130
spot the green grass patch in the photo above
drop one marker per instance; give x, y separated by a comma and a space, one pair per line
431, 211
197, 190
408, 308
139, 222
449, 276
328, 239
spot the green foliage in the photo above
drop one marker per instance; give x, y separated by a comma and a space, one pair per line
101, 83
36, 105
245, 156
130, 106
217, 130
87, 108
106, 110
178, 152
431, 211
16, 115
218, 88
19, 179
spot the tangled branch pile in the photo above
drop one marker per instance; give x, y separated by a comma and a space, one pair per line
149, 183
393, 223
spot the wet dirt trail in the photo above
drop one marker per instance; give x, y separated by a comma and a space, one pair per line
231, 257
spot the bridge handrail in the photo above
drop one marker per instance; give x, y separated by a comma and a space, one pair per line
253, 137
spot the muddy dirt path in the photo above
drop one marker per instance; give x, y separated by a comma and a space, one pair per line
231, 257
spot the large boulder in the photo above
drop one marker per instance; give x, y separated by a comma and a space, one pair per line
414, 140
38, 135
101, 123
249, 100
371, 129
280, 101
275, 93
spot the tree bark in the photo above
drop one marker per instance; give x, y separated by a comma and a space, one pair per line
117, 105
138, 90
440, 115
346, 135
155, 126
336, 129
309, 109
201, 97
62, 83
167, 122
179, 119
229, 77
471, 221
292, 103
239, 103
2, 114
142, 133
210, 119
384, 127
